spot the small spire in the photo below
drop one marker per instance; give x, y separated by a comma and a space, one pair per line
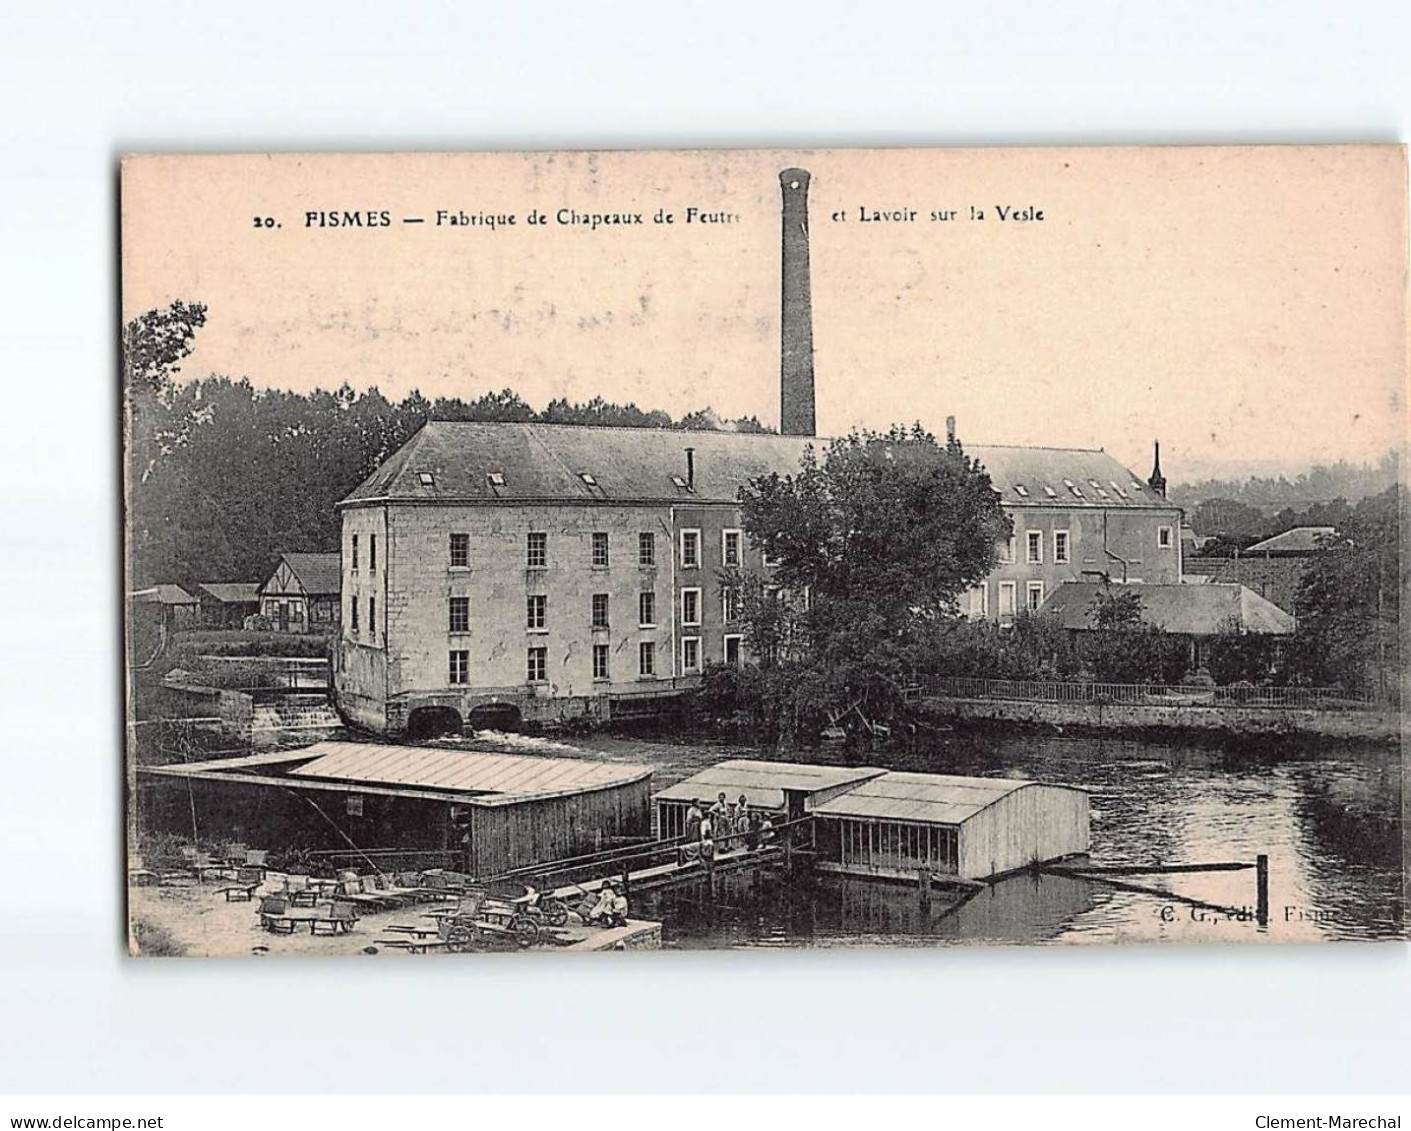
1157, 482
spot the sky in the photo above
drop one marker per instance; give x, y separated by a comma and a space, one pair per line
1244, 305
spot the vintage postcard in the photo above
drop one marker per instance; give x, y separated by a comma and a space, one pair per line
609, 551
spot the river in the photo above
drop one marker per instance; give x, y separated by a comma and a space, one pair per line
1328, 816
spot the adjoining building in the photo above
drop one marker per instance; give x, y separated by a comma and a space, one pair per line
226, 604
303, 592
786, 789
1196, 612
483, 813
1273, 568
893, 825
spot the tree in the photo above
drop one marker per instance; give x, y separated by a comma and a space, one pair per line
1122, 648
1349, 601
1236, 656
874, 543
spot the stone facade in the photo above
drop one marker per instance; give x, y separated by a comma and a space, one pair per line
1077, 544
402, 651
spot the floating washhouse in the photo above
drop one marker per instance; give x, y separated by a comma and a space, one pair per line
891, 824
899, 824
486, 813
782, 788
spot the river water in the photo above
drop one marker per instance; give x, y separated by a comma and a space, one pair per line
1327, 815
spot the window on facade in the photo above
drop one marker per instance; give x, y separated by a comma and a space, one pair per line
355, 553
730, 547
732, 650
460, 614
1035, 545
460, 551
372, 553
1006, 550
600, 661
600, 549
646, 549
1006, 598
647, 609
600, 610
537, 549
1060, 545
690, 606
1163, 537
729, 605
690, 653
353, 806
647, 658
536, 617
355, 614
690, 549
1035, 595
537, 670
459, 666
372, 618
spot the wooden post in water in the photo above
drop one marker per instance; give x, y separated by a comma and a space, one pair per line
1261, 872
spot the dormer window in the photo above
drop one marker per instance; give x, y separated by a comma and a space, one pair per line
1021, 490
1118, 489
1050, 492
588, 479
496, 479
1136, 486
679, 481
1077, 491
426, 478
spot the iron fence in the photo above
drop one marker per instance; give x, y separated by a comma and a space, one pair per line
1149, 694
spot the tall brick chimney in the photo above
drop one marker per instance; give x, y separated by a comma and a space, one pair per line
796, 414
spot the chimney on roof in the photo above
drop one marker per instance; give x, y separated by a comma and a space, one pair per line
691, 468
950, 431
796, 415
1157, 482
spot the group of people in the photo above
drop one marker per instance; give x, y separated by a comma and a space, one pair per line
727, 824
610, 907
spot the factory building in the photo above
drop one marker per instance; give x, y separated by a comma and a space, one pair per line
503, 570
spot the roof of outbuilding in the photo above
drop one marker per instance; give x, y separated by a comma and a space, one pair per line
763, 783
485, 778
453, 461
938, 799
164, 594
1299, 540
233, 592
1193, 610
319, 574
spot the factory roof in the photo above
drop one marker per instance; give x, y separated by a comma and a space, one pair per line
937, 799
764, 783
1192, 610
490, 461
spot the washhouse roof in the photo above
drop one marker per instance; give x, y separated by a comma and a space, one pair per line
935, 799
764, 783
1191, 610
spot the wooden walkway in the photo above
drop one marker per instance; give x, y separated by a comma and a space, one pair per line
658, 876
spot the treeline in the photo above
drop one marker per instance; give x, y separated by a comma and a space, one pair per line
1324, 483
223, 476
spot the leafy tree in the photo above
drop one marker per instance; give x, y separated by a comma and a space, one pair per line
1235, 656
1122, 648
874, 542
1349, 601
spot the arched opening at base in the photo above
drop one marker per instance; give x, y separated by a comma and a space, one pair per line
432, 722
495, 716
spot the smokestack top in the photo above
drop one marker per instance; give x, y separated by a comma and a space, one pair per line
1157, 482
691, 468
796, 408
950, 430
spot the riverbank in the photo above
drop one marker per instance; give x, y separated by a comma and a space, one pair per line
1174, 721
